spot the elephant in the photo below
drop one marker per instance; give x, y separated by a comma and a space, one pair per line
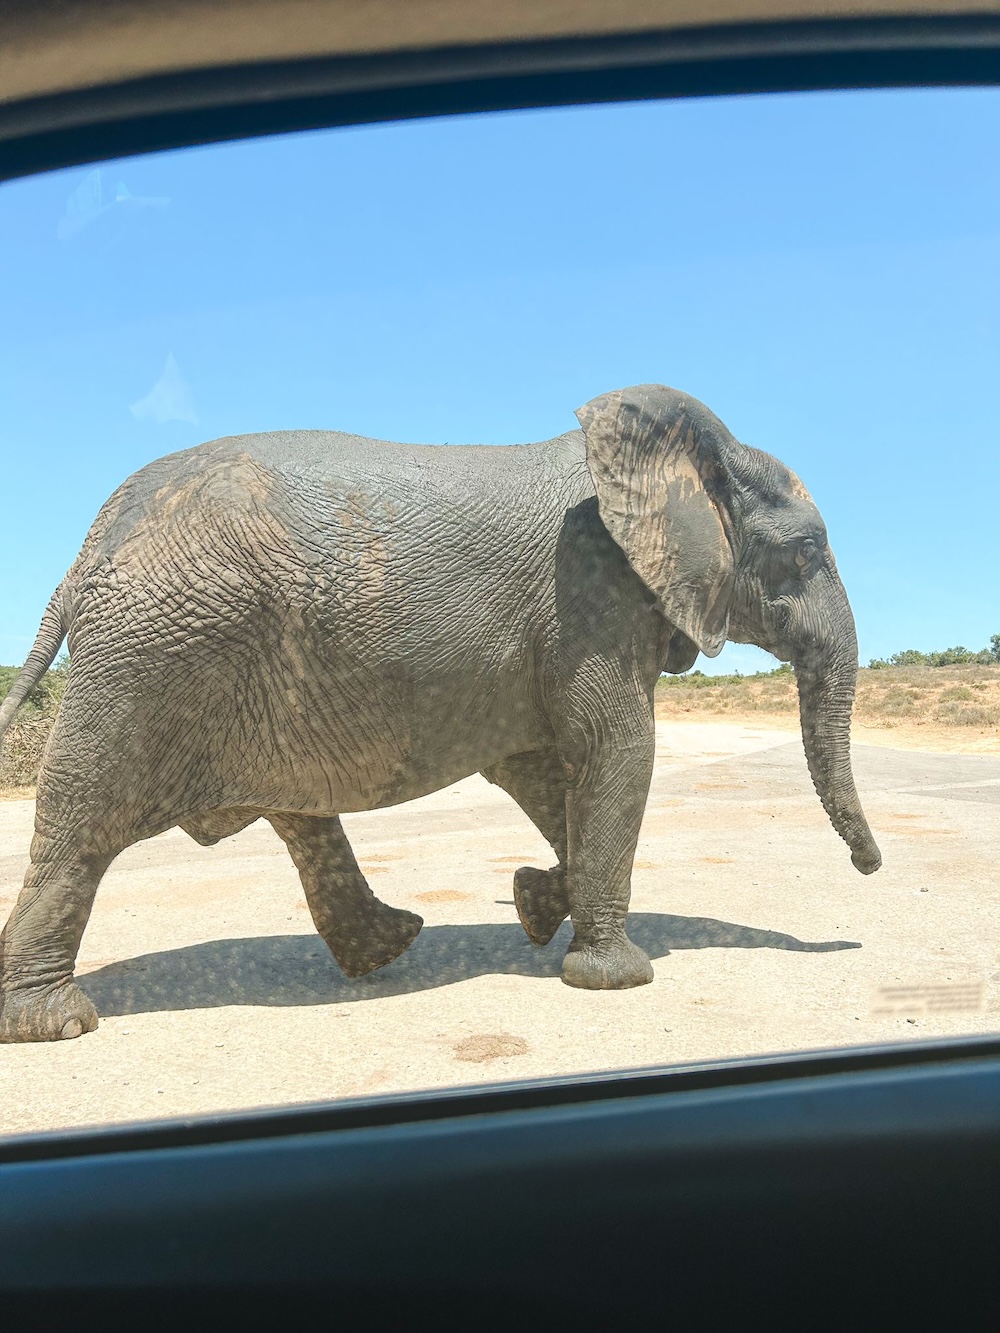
297, 625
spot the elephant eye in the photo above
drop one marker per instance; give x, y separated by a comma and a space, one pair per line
806, 551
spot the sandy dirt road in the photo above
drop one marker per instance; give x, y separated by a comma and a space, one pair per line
215, 994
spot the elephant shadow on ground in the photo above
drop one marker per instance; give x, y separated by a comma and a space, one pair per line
280, 970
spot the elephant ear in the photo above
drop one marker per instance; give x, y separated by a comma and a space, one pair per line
655, 459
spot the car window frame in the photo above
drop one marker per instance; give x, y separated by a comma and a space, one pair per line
232, 102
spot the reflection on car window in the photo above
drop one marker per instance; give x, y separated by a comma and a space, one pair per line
439, 561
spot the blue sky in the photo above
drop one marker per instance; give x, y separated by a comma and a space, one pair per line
822, 270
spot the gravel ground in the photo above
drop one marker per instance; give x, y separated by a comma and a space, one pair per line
215, 993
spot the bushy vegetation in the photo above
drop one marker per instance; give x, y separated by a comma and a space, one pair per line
915, 694
24, 743
697, 680
947, 657
762, 692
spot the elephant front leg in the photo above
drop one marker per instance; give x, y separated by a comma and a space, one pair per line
361, 932
605, 804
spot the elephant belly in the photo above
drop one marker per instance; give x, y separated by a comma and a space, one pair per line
344, 759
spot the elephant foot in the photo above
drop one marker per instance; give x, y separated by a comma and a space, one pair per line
375, 941
46, 1013
616, 966
541, 901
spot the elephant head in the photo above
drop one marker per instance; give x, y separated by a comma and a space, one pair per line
731, 545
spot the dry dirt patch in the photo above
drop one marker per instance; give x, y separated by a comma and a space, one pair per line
483, 1046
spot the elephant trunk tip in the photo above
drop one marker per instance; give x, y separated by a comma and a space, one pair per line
867, 858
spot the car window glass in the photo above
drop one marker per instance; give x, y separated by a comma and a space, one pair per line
501, 666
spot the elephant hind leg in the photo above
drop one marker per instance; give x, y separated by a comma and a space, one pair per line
361, 932
39, 1000
537, 782
98, 793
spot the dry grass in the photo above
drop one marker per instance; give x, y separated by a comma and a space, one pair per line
22, 747
21, 755
960, 703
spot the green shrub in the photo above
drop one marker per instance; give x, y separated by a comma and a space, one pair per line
977, 715
699, 681
47, 694
897, 703
22, 747
958, 656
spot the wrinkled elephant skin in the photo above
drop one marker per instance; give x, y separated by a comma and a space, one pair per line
297, 625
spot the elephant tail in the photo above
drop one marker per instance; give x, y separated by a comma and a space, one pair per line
48, 641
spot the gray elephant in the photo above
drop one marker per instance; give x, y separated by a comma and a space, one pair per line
300, 624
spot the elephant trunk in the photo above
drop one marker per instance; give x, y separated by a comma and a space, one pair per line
826, 677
